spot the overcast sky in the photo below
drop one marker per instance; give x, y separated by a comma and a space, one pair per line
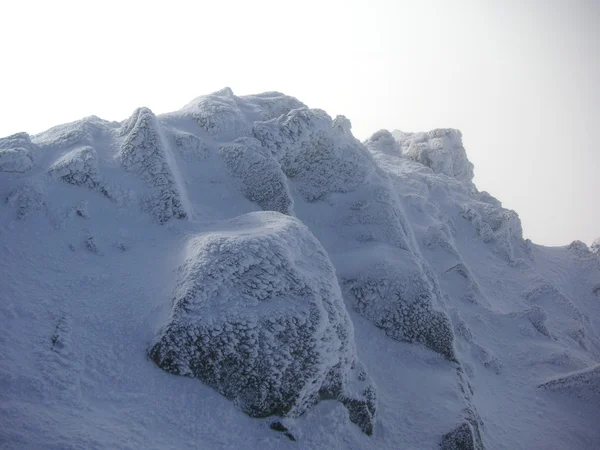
518, 78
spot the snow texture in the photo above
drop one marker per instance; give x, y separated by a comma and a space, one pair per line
258, 315
328, 293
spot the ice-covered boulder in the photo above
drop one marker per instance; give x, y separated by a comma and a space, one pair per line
440, 149
143, 152
79, 167
582, 383
258, 174
384, 142
320, 156
396, 297
463, 437
258, 315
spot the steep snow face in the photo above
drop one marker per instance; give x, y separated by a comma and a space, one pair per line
253, 243
258, 315
441, 150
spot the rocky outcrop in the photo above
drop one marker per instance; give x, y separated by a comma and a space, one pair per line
143, 152
441, 150
258, 315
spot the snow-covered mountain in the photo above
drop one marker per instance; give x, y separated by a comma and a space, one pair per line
244, 273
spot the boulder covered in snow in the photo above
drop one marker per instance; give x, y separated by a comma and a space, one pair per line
79, 167
315, 152
258, 315
145, 153
581, 383
441, 150
463, 437
258, 174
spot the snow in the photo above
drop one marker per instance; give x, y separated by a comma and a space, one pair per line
357, 295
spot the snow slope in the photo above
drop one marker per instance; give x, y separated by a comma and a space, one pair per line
318, 292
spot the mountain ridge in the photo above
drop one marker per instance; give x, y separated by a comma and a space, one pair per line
424, 263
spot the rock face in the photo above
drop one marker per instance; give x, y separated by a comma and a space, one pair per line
440, 149
258, 315
582, 383
144, 153
463, 437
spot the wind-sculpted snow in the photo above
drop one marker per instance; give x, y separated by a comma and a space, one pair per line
143, 153
258, 315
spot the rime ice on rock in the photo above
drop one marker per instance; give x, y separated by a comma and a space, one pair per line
79, 167
143, 153
464, 437
258, 174
15, 154
440, 149
582, 383
322, 158
258, 315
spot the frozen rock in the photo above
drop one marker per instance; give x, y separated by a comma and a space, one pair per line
258, 315
464, 437
440, 149
321, 157
258, 174
143, 152
582, 383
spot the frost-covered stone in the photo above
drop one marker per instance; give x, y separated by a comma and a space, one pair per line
15, 160
258, 315
463, 437
402, 306
321, 157
258, 174
191, 147
384, 142
79, 167
143, 152
582, 383
440, 149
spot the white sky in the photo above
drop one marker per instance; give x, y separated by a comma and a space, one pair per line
518, 78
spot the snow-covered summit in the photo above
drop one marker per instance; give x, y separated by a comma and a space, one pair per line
336, 293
